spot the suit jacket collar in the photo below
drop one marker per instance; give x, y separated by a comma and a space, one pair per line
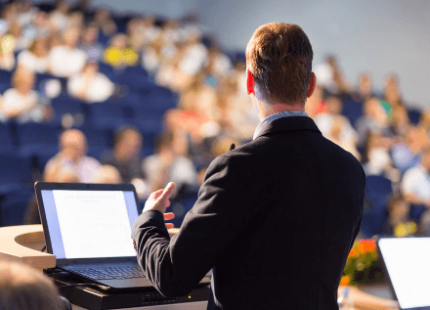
288, 123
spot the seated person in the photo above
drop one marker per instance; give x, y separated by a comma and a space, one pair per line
90, 85
118, 54
66, 60
73, 149
398, 223
36, 57
23, 288
168, 164
125, 154
89, 44
7, 57
21, 101
107, 174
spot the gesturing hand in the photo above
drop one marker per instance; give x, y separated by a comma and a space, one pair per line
159, 200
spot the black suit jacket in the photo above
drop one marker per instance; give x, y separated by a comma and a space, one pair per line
275, 219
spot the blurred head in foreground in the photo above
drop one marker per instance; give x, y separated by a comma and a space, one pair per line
23, 288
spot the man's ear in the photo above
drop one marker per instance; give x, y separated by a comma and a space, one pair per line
312, 85
249, 83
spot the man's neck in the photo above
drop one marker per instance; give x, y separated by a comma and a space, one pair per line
266, 110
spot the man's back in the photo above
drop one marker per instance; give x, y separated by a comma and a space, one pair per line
305, 195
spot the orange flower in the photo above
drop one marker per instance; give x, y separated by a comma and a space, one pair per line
352, 253
345, 280
366, 245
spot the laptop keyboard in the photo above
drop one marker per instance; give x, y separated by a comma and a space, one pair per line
110, 273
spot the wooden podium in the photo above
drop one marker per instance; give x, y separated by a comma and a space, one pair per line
24, 244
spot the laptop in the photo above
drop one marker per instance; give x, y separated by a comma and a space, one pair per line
407, 265
88, 228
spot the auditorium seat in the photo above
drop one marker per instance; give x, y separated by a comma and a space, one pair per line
98, 140
6, 139
15, 170
65, 104
414, 116
106, 115
14, 205
39, 141
377, 193
352, 110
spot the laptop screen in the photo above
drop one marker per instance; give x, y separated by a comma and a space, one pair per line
407, 262
90, 223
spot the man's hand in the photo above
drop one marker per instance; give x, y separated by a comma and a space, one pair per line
159, 200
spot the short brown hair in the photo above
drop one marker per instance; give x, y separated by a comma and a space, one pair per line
279, 57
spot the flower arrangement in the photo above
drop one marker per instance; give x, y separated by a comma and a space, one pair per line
362, 264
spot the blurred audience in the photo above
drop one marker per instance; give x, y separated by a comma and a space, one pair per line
36, 57
168, 165
118, 54
416, 182
65, 59
73, 149
21, 101
125, 155
90, 85
7, 57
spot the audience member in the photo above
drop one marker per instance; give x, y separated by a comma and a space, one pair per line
416, 182
24, 288
90, 85
36, 57
7, 57
374, 120
89, 44
398, 223
107, 174
118, 54
73, 148
65, 59
167, 165
407, 154
125, 154
21, 101
365, 90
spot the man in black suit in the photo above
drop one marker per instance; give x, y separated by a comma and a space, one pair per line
275, 218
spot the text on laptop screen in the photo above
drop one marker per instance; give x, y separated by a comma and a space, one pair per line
407, 262
88, 224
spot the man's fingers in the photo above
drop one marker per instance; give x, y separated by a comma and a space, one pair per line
169, 216
169, 225
156, 194
167, 192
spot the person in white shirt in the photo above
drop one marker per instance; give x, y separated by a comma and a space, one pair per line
72, 155
21, 101
36, 57
90, 85
66, 60
416, 182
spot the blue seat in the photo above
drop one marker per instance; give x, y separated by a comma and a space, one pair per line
5, 76
4, 86
352, 111
98, 140
65, 104
15, 170
6, 139
106, 115
14, 204
39, 141
414, 116
377, 192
